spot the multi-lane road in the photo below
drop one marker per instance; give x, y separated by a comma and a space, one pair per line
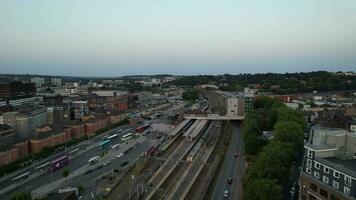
79, 162
232, 167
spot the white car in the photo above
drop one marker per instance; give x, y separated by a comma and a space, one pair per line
226, 194
119, 155
106, 163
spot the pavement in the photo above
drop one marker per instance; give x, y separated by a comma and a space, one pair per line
231, 167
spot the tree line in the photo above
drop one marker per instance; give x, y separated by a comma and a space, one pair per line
270, 161
286, 83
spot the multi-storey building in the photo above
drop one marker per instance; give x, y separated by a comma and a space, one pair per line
56, 82
249, 99
80, 109
26, 121
329, 165
38, 81
16, 90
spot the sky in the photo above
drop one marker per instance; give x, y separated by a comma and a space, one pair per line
131, 37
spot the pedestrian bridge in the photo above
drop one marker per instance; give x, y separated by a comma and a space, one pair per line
213, 117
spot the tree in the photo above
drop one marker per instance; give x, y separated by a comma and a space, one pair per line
289, 132
190, 95
21, 196
65, 173
263, 189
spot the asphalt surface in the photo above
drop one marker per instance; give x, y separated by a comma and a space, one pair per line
231, 167
74, 163
87, 150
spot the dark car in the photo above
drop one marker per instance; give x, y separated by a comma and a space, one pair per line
124, 163
229, 180
236, 154
88, 172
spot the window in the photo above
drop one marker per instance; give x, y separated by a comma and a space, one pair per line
336, 185
308, 170
347, 191
333, 197
316, 175
317, 165
325, 179
336, 174
326, 169
313, 187
323, 193
347, 181
310, 154
309, 163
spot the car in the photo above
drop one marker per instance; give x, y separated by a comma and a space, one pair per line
119, 155
229, 180
236, 155
88, 172
106, 163
226, 194
124, 163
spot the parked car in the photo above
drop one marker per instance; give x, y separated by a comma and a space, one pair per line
106, 163
226, 194
119, 155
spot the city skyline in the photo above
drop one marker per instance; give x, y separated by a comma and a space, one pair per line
119, 38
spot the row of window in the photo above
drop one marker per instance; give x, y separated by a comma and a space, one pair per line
326, 170
325, 179
322, 192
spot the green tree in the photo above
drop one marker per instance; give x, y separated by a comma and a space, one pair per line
263, 189
289, 132
21, 196
191, 95
65, 173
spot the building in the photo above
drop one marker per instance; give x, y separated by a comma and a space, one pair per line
56, 82
109, 93
329, 165
29, 101
235, 103
16, 90
249, 99
26, 121
38, 81
80, 108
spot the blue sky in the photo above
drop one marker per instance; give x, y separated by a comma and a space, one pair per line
116, 37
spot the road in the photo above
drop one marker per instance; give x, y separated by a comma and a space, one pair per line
74, 163
231, 167
87, 150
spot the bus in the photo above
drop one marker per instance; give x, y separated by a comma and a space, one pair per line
116, 146
104, 144
142, 128
93, 160
112, 136
126, 137
59, 163
22, 176
43, 167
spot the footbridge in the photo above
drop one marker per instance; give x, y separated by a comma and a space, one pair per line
214, 117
